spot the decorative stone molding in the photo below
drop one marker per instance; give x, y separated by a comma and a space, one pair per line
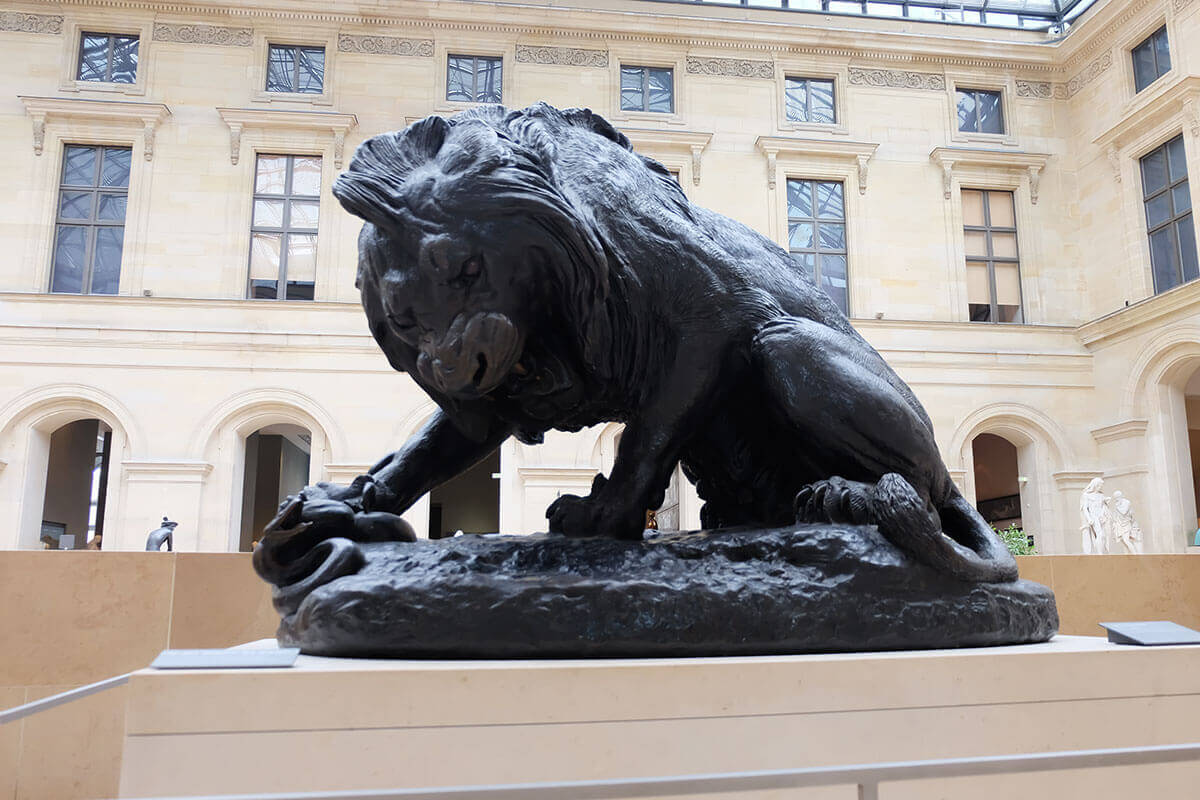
1089, 73
30, 23
1114, 161
321, 121
731, 67
561, 56
1120, 430
1180, 5
1075, 479
204, 34
384, 45
148, 115
670, 141
1042, 90
897, 79
1182, 98
951, 158
857, 153
167, 471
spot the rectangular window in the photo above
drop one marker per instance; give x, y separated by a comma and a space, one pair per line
107, 58
817, 235
473, 79
90, 224
809, 100
283, 232
648, 89
1169, 216
296, 69
993, 266
979, 111
1151, 59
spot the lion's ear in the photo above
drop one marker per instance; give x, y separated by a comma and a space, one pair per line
372, 186
586, 118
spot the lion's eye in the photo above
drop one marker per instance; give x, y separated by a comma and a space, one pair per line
471, 269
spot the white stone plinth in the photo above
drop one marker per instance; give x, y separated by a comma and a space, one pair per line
330, 724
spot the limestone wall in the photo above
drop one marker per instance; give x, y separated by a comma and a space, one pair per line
183, 368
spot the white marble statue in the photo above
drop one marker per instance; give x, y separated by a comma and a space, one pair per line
1124, 527
1094, 517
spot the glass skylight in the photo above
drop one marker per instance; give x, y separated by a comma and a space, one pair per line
1028, 14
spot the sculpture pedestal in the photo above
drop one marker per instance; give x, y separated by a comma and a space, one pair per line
342, 724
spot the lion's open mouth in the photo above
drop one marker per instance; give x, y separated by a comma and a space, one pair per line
475, 355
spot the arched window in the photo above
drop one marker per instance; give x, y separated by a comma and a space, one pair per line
76, 484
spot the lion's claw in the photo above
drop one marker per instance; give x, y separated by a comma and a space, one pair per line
835, 500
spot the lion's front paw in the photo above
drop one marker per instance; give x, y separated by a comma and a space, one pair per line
835, 500
574, 516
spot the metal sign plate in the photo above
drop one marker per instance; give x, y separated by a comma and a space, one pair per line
1158, 632
236, 658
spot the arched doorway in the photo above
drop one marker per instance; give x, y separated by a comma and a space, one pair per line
73, 502
468, 502
997, 480
1191, 404
278, 461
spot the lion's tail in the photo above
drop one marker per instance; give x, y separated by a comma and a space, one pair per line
963, 545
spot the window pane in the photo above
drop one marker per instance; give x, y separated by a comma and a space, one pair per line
966, 111
979, 312
1008, 284
106, 264
79, 166
124, 59
272, 170
805, 261
799, 198
460, 77
1163, 51
978, 287
795, 95
299, 291
268, 213
75, 205
264, 256
832, 236
845, 7
661, 90
93, 58
1176, 160
302, 258
281, 65
112, 207
631, 88
800, 235
70, 252
829, 200
488, 83
1182, 198
1158, 210
1186, 233
822, 102
1000, 207
991, 118
1008, 313
1162, 258
306, 176
976, 243
972, 204
312, 69
1154, 172
1004, 245
115, 171
832, 270
304, 214
1143, 66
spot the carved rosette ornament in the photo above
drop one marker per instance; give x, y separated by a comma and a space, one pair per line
731, 67
30, 23
204, 34
385, 45
897, 79
561, 56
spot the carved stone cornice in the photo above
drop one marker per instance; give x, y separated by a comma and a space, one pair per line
678, 141
1181, 97
561, 56
30, 23
238, 119
148, 471
1121, 430
42, 109
897, 79
951, 158
203, 34
384, 45
1075, 479
857, 154
731, 67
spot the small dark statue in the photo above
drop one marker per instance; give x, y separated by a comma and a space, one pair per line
163, 534
531, 272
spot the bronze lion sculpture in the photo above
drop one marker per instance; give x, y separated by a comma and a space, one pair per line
530, 271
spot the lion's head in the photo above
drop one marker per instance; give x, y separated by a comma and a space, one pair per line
470, 243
